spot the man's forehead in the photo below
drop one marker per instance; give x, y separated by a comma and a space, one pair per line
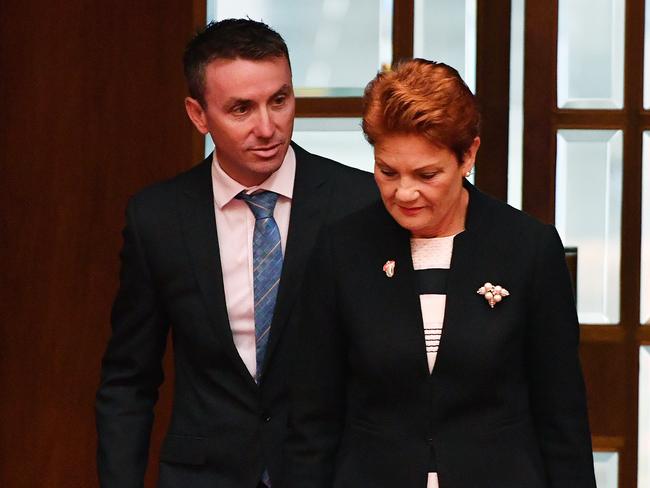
243, 78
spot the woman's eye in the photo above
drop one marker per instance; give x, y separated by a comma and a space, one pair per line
427, 176
387, 172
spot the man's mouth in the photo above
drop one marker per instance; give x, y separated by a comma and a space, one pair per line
266, 151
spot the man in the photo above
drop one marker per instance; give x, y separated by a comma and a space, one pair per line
203, 254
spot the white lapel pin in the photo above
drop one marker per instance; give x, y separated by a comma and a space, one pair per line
493, 293
389, 268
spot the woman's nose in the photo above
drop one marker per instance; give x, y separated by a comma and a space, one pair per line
406, 193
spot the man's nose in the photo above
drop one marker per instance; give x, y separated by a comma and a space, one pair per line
264, 127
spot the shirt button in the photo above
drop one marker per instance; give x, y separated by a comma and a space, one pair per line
267, 418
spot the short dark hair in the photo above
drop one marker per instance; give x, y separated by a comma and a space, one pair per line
425, 98
228, 39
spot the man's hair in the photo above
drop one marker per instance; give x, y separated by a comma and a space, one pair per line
424, 98
228, 39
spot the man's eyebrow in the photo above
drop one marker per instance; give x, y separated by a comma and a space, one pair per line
233, 102
283, 89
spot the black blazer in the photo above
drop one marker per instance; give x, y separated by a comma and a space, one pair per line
225, 429
505, 405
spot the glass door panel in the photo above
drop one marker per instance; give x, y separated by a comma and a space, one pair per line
445, 31
590, 53
588, 216
336, 46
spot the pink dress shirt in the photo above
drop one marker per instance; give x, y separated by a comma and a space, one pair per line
235, 225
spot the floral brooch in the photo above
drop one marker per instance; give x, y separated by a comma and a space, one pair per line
493, 293
389, 268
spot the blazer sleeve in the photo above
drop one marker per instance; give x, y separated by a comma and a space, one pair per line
557, 391
131, 368
318, 379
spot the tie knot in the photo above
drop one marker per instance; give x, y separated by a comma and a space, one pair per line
261, 204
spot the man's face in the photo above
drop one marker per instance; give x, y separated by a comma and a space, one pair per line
249, 112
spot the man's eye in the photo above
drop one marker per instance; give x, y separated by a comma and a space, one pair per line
280, 99
239, 109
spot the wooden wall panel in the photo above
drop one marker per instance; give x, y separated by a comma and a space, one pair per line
91, 98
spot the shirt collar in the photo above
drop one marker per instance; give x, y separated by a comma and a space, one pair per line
226, 188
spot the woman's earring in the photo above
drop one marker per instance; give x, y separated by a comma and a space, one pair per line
467, 174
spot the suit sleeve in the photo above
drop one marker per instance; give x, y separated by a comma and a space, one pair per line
317, 409
557, 391
131, 369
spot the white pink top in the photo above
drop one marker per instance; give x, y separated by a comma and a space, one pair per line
427, 254
235, 226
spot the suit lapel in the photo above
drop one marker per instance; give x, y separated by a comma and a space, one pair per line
200, 231
310, 194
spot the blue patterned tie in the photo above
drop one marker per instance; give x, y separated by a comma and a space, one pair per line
267, 267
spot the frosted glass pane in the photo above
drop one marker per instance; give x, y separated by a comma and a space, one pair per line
606, 468
340, 139
337, 138
516, 116
645, 233
588, 216
646, 60
336, 46
643, 472
590, 53
445, 31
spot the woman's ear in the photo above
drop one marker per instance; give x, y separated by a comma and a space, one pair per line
470, 156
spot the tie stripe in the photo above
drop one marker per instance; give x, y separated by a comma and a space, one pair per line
267, 267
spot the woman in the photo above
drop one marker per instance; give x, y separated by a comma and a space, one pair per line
440, 340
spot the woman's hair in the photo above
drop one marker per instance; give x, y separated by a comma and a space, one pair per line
424, 98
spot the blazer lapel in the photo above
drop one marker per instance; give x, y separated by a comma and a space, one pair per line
310, 193
396, 297
468, 258
200, 230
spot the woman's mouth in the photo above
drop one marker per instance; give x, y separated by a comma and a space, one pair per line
409, 211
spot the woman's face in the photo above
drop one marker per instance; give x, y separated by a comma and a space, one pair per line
421, 184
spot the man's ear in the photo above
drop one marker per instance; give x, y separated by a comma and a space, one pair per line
196, 114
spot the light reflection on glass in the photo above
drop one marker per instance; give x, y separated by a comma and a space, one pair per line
643, 471
606, 469
445, 31
336, 46
645, 232
338, 138
590, 53
588, 194
516, 116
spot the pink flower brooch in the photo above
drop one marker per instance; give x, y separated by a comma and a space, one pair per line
492, 293
389, 268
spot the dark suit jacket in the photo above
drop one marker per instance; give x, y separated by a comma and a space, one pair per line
225, 429
505, 405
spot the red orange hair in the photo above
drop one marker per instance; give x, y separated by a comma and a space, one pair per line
422, 97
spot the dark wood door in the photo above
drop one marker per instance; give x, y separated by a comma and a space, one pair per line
610, 353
